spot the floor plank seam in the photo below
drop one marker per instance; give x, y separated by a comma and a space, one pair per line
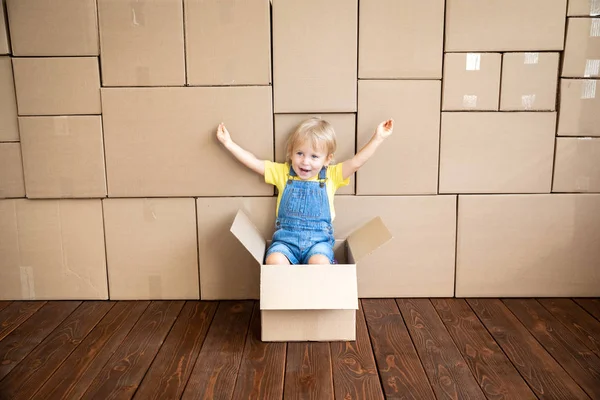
373, 350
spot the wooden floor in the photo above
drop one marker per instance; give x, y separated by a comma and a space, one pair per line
405, 349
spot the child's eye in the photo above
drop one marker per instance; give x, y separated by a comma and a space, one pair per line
315, 156
299, 153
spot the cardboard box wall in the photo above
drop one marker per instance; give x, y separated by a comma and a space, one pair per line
11, 171
4, 40
582, 48
52, 250
579, 105
583, 8
9, 126
528, 245
577, 165
413, 28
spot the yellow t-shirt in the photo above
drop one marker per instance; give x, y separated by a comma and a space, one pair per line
277, 174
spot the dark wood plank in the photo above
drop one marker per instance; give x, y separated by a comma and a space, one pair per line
4, 304
543, 374
582, 324
592, 306
76, 374
31, 373
217, 366
448, 372
579, 362
308, 371
354, 371
400, 368
172, 367
263, 365
17, 313
121, 376
30, 333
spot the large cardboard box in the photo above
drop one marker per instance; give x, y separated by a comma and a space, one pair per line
582, 48
529, 81
314, 55
413, 28
509, 25
309, 302
228, 43
9, 126
53, 28
151, 248
497, 152
471, 81
141, 43
63, 156
52, 250
345, 131
579, 105
407, 163
583, 8
162, 141
528, 246
57, 86
11, 171
577, 165
4, 41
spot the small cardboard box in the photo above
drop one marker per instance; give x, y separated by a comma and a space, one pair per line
310, 302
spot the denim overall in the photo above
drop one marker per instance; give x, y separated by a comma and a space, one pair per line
303, 225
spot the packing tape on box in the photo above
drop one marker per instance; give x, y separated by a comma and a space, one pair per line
527, 101
138, 16
531, 58
61, 126
27, 283
473, 62
595, 8
469, 101
148, 210
588, 89
595, 28
592, 68
142, 76
155, 286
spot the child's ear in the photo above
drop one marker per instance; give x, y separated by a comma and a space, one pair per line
329, 159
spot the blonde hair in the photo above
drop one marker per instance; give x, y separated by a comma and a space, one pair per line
317, 131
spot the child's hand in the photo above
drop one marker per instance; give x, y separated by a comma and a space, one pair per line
223, 134
385, 129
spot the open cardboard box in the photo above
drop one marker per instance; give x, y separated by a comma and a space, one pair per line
309, 302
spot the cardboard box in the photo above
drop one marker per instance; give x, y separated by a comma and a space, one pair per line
528, 246
577, 165
151, 248
11, 171
529, 81
509, 25
228, 43
582, 48
579, 105
314, 59
471, 81
4, 41
52, 250
57, 86
63, 156
162, 141
309, 302
53, 28
345, 131
9, 126
141, 43
407, 163
420, 260
583, 8
497, 152
413, 28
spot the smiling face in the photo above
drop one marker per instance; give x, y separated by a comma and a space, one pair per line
307, 160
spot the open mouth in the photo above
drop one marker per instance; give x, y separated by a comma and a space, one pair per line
304, 171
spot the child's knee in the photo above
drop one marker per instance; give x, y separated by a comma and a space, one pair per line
319, 259
277, 259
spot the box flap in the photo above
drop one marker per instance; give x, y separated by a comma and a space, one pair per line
245, 231
308, 287
368, 238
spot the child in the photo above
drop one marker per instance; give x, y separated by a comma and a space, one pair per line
306, 186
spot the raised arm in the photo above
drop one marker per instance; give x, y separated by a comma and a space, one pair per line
244, 156
383, 131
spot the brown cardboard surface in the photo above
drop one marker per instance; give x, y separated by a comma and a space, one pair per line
497, 152
4, 41
577, 165
151, 248
9, 127
407, 163
579, 105
368, 238
528, 246
314, 58
471, 81
509, 25
345, 131
529, 81
582, 48
419, 260
53, 28
11, 171
57, 86
228, 43
162, 141
141, 43
308, 325
583, 8
52, 250
414, 29
63, 156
